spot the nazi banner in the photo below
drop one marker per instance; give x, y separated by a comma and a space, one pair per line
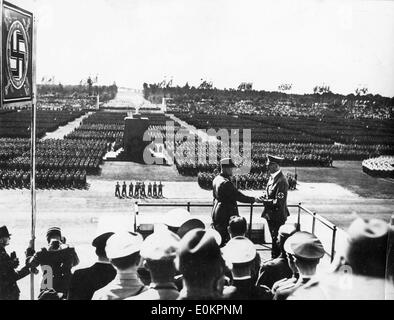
17, 55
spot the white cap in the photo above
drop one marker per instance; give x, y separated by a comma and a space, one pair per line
123, 244
239, 250
176, 217
160, 246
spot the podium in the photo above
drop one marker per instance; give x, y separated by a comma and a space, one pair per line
133, 142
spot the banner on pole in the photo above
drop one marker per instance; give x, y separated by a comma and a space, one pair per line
17, 55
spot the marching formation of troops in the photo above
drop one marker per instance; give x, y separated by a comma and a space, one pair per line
45, 179
139, 190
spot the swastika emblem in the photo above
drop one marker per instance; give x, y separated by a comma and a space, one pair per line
17, 55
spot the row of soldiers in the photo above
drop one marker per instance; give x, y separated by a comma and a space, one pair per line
138, 190
44, 178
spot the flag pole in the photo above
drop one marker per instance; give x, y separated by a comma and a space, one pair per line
33, 157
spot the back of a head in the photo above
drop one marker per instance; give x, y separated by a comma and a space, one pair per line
200, 259
237, 226
366, 251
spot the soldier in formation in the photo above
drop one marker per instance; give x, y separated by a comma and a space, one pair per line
137, 190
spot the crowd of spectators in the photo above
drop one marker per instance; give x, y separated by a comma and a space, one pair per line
185, 260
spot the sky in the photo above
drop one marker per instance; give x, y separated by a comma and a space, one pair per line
343, 44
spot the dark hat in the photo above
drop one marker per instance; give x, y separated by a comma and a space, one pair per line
198, 249
4, 232
54, 231
304, 245
367, 246
287, 230
190, 225
228, 163
274, 159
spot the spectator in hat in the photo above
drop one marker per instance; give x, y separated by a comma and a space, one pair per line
123, 251
190, 225
56, 261
226, 196
85, 282
238, 228
175, 218
277, 269
275, 201
240, 252
9, 275
201, 263
304, 250
359, 271
159, 252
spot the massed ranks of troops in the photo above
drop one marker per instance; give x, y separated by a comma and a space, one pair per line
45, 179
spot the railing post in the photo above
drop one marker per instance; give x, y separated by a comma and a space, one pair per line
136, 212
188, 206
313, 223
250, 221
299, 218
334, 234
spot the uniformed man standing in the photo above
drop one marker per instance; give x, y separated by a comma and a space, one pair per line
150, 190
154, 189
225, 196
8, 274
131, 189
117, 190
160, 194
275, 201
124, 189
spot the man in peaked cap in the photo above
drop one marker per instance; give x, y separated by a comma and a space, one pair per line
201, 263
241, 253
304, 250
277, 269
226, 196
85, 282
123, 251
275, 201
359, 271
159, 252
8, 264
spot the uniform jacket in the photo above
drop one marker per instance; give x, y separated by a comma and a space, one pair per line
275, 209
9, 276
85, 282
274, 270
225, 200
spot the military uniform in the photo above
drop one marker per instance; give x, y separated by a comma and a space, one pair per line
160, 247
225, 204
124, 190
131, 189
8, 275
117, 190
150, 190
275, 207
160, 194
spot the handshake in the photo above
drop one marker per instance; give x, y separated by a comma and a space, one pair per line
262, 199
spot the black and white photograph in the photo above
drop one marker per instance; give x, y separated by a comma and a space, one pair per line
219, 152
